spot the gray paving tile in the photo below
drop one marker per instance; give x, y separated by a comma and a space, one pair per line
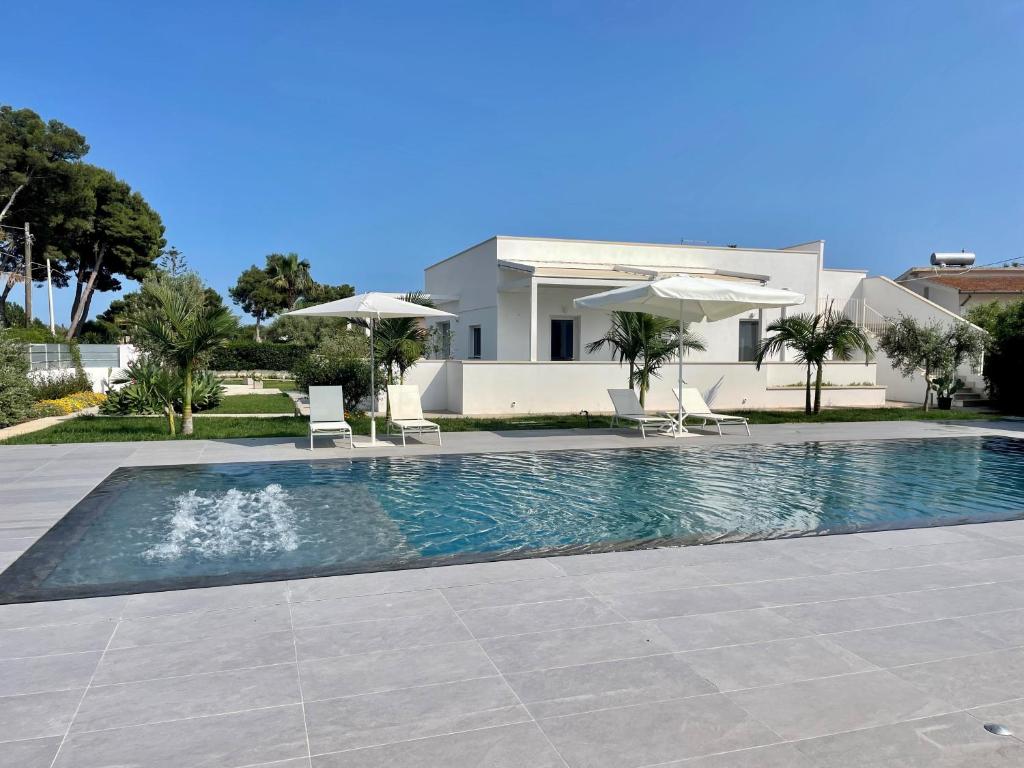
60, 612
387, 670
654, 733
998, 530
47, 673
221, 741
915, 643
853, 613
977, 549
880, 559
735, 667
915, 537
521, 745
570, 647
175, 698
366, 608
421, 578
963, 601
759, 570
632, 560
43, 641
648, 580
949, 741
32, 753
379, 635
680, 602
971, 681
17, 544
210, 599
608, 684
212, 654
829, 705
514, 593
1007, 627
410, 713
179, 627
776, 756
808, 589
538, 617
1008, 713
37, 714
994, 569
710, 630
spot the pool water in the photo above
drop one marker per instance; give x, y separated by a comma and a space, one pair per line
167, 527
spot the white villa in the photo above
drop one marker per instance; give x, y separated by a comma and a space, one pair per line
519, 343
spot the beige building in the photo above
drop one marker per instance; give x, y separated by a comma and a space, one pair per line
958, 289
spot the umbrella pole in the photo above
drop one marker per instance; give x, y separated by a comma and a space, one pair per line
679, 400
373, 389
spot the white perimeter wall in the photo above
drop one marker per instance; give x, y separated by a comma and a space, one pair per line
98, 377
507, 388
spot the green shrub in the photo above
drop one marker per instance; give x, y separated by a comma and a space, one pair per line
53, 385
150, 386
1004, 354
335, 362
248, 356
15, 388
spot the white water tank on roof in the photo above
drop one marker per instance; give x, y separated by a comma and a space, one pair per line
962, 259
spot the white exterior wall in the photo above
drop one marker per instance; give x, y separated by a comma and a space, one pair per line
508, 388
98, 377
890, 299
796, 269
472, 275
843, 285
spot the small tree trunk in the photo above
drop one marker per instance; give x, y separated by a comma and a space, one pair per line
186, 403
83, 295
258, 339
807, 392
927, 387
632, 375
817, 389
170, 419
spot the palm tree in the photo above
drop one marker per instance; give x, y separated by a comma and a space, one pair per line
646, 342
398, 342
814, 338
180, 326
290, 275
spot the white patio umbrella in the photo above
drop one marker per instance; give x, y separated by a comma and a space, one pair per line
691, 299
372, 307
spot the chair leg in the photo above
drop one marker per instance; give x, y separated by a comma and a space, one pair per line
643, 432
747, 425
351, 445
439, 438
403, 438
311, 440
719, 425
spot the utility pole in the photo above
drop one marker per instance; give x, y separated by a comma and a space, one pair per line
28, 276
49, 290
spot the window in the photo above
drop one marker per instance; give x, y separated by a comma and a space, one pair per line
475, 342
750, 335
563, 338
444, 337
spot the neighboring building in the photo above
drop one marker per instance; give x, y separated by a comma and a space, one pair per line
958, 289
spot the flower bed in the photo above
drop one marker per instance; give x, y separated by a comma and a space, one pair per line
67, 405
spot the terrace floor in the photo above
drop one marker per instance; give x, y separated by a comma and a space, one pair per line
874, 649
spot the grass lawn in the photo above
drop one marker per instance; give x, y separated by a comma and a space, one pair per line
282, 384
279, 403
96, 429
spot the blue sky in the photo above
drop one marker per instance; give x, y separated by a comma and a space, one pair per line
376, 138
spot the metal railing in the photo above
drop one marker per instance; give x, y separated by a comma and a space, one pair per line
859, 311
54, 357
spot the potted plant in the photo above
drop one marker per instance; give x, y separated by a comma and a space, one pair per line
945, 387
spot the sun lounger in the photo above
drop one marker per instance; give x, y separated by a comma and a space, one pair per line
407, 412
628, 409
327, 413
694, 407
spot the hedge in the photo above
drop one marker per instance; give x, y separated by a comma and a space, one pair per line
250, 356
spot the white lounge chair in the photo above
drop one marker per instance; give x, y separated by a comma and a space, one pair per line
327, 413
694, 407
407, 412
628, 408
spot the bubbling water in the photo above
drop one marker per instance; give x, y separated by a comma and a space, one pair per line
234, 523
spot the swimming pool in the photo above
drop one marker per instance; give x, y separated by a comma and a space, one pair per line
151, 528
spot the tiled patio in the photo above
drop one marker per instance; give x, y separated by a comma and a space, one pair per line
881, 649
